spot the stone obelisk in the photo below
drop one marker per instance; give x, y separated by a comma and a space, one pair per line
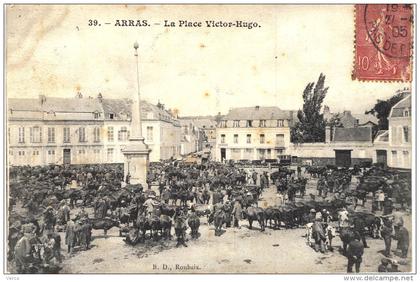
136, 153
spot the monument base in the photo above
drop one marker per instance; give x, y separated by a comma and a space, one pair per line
136, 162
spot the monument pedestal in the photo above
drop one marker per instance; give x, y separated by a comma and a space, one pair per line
136, 161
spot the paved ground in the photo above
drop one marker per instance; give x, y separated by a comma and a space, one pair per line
237, 250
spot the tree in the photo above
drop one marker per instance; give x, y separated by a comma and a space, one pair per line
311, 124
382, 108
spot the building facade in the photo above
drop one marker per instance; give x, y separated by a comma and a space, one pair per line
394, 146
253, 133
79, 130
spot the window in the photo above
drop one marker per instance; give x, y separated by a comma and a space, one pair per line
235, 138
96, 115
96, 151
122, 134
36, 134
35, 153
21, 135
149, 133
21, 153
249, 123
51, 134
262, 123
356, 122
110, 134
280, 123
248, 138
82, 152
222, 138
280, 140
96, 134
66, 135
236, 123
406, 112
278, 152
82, 134
110, 154
111, 116
406, 134
262, 138
223, 123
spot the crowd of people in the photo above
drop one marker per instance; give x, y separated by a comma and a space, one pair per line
47, 200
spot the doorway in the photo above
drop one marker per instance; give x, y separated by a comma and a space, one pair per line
66, 156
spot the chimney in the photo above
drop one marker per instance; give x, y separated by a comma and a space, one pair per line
79, 95
257, 107
328, 134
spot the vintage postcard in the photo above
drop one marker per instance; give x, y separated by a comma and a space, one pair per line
209, 139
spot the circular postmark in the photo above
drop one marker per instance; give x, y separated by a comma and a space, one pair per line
388, 27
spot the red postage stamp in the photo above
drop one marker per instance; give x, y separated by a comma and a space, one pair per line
383, 42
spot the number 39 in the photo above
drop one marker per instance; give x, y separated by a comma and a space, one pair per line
93, 23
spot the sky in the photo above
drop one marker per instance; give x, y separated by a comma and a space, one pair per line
52, 50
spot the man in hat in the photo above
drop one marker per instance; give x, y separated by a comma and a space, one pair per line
237, 213
388, 206
180, 228
22, 251
354, 254
63, 214
227, 208
70, 238
82, 213
318, 234
403, 239
312, 215
49, 218
387, 235
166, 195
381, 199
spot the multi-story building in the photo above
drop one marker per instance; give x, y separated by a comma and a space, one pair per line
192, 136
80, 130
393, 146
54, 130
253, 133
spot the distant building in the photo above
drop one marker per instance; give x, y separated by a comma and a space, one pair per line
349, 120
394, 146
80, 130
253, 133
192, 137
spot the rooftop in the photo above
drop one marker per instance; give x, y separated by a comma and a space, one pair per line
258, 113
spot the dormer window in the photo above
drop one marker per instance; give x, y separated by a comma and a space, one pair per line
262, 123
236, 123
96, 115
111, 116
249, 123
406, 112
280, 123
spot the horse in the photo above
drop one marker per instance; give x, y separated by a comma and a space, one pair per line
255, 213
